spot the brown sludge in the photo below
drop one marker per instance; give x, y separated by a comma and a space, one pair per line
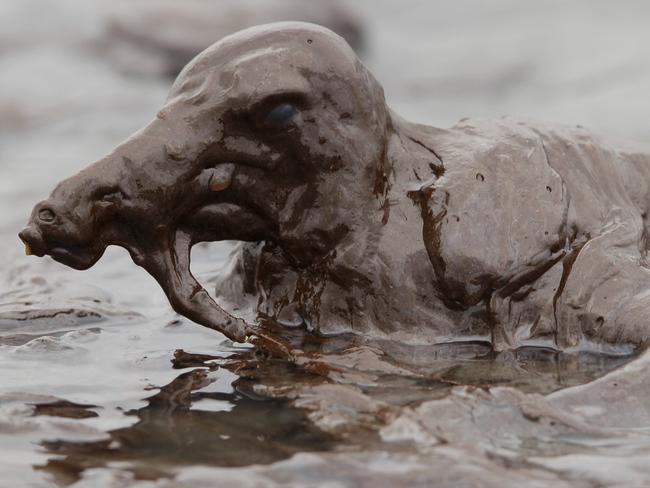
355, 220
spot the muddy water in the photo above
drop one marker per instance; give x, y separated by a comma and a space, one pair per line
95, 391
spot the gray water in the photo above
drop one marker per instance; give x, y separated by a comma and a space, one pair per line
89, 394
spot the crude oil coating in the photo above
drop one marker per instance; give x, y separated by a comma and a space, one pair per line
354, 220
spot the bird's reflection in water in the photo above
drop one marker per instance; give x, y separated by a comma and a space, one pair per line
172, 430
169, 433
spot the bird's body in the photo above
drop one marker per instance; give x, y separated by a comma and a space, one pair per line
510, 231
355, 220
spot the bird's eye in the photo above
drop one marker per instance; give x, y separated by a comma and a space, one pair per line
46, 215
280, 115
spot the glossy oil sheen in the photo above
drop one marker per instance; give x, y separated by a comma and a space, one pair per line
355, 220
443, 412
